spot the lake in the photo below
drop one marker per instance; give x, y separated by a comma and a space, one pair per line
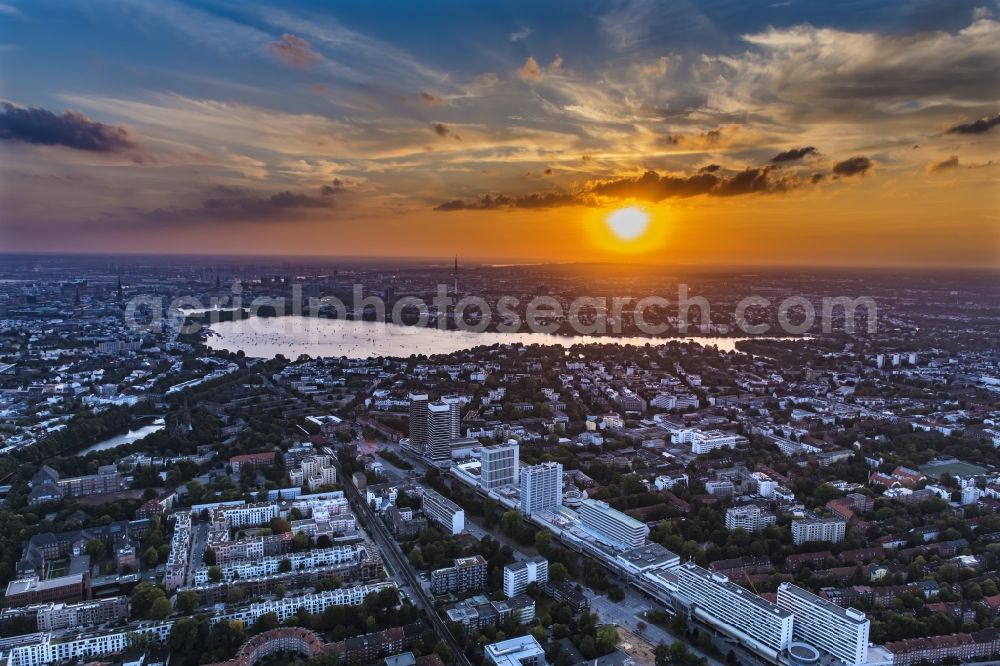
265, 337
125, 438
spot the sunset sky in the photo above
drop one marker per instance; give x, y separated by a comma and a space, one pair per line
776, 132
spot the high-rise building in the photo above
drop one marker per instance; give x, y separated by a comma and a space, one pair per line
603, 521
455, 414
500, 466
749, 517
843, 632
541, 487
418, 420
439, 419
819, 529
517, 576
755, 622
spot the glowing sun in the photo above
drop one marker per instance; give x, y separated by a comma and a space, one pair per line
628, 223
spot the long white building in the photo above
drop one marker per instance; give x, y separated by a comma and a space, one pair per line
843, 632
760, 625
819, 529
703, 441
267, 566
82, 648
541, 487
612, 525
443, 511
96, 646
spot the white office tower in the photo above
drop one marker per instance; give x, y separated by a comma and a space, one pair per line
603, 521
541, 487
455, 411
418, 420
500, 466
758, 624
843, 632
438, 431
517, 576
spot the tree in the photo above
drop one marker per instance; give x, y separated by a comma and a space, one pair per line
678, 624
209, 557
151, 557
558, 572
214, 574
161, 609
285, 565
187, 601
606, 639
510, 523
279, 525
183, 636
94, 548
442, 650
300, 542
141, 601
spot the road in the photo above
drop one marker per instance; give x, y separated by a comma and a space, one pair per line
394, 558
629, 612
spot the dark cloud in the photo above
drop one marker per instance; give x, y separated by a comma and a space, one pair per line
710, 180
237, 206
548, 172
852, 166
980, 126
536, 200
440, 129
945, 165
432, 100
330, 190
71, 129
651, 186
793, 154
294, 51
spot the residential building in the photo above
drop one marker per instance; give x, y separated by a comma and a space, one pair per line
500, 465
467, 574
818, 529
517, 576
443, 511
314, 472
439, 422
541, 487
418, 420
842, 632
703, 441
758, 624
749, 517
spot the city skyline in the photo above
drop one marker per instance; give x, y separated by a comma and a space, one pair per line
777, 133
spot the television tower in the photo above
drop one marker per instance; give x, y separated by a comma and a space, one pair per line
454, 276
